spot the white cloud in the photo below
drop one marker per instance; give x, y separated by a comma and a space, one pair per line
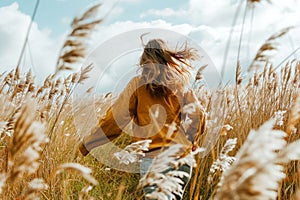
111, 30
167, 12
44, 49
211, 22
211, 13
119, 44
208, 24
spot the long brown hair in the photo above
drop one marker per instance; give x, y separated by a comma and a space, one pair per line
166, 70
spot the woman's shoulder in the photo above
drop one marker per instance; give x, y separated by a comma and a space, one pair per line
134, 83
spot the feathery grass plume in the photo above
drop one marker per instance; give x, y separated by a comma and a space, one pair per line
289, 153
70, 84
238, 81
7, 81
165, 184
217, 110
18, 88
25, 144
199, 72
38, 184
35, 186
294, 116
23, 149
133, 152
84, 73
188, 158
83, 194
269, 45
8, 128
74, 48
226, 129
238, 76
297, 75
199, 75
85, 172
89, 90
17, 74
255, 173
279, 116
198, 82
224, 160
46, 85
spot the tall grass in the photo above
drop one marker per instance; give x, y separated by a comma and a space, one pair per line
265, 95
38, 132
247, 106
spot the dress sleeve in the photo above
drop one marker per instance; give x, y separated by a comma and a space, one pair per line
116, 118
194, 116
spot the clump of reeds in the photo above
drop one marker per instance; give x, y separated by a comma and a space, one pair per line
258, 168
74, 48
224, 160
23, 149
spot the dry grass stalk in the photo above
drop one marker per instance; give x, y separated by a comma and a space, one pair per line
25, 144
84, 193
23, 150
294, 117
258, 167
85, 172
35, 186
84, 73
74, 50
266, 93
224, 160
199, 75
269, 45
9, 125
238, 76
198, 84
69, 84
226, 129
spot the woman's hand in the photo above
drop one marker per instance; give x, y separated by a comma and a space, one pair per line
83, 149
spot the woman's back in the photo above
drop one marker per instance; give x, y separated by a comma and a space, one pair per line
161, 108
155, 101
160, 117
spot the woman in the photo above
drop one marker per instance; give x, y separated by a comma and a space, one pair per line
160, 104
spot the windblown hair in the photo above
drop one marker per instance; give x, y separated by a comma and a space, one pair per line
165, 70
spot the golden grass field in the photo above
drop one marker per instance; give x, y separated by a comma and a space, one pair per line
39, 137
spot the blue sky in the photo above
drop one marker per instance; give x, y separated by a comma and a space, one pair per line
55, 14
206, 22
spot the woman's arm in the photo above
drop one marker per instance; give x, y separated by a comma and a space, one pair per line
115, 120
